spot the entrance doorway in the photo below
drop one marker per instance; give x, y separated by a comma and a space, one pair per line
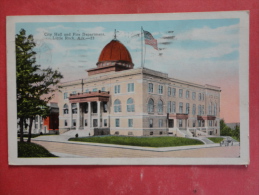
171, 123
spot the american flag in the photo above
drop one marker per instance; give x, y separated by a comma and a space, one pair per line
149, 39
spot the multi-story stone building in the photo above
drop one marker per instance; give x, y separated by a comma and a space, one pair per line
117, 99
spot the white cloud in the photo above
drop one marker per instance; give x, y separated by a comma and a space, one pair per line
220, 34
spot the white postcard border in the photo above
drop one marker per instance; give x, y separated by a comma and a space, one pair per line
243, 89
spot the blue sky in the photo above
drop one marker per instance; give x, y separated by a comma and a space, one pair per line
205, 51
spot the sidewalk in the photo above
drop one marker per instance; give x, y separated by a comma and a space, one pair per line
64, 139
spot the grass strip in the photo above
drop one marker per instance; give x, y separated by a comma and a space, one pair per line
141, 141
216, 139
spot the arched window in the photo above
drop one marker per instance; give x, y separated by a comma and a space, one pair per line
150, 105
65, 109
74, 108
117, 106
130, 105
160, 106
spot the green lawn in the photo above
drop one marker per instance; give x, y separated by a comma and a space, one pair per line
216, 139
141, 141
32, 150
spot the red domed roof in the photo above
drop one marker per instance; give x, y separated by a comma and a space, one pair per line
115, 51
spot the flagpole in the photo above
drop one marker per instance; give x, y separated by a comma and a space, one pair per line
142, 65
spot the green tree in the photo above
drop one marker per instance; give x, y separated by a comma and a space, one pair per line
224, 129
236, 133
35, 86
222, 124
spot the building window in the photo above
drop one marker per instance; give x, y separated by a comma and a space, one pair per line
187, 94
199, 110
36, 119
169, 107
187, 108
199, 96
173, 107
65, 123
103, 89
95, 123
74, 122
160, 106
130, 105
117, 89
194, 123
169, 91
74, 92
193, 109
173, 92
150, 105
130, 122
150, 123
74, 108
95, 89
150, 88
210, 123
117, 106
87, 90
180, 93
203, 96
117, 122
160, 89
86, 123
202, 110
199, 123
36, 126
105, 122
215, 109
130, 87
65, 109
180, 107
193, 95
171, 123
160, 123
105, 107
180, 123
65, 95
210, 108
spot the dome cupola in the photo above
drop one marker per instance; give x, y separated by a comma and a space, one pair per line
114, 57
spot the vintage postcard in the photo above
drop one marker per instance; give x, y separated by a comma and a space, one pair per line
136, 89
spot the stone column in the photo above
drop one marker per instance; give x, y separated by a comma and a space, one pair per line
206, 126
98, 114
108, 121
176, 123
89, 115
71, 116
78, 116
